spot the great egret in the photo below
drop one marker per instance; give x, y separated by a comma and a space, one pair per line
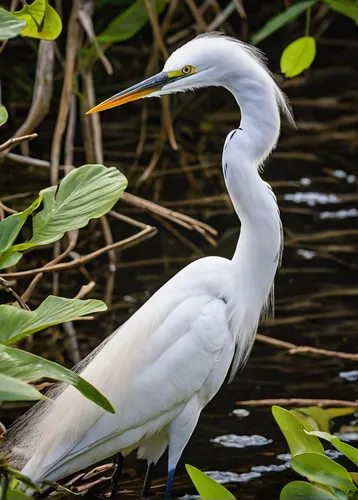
163, 366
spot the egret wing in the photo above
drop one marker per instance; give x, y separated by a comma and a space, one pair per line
149, 368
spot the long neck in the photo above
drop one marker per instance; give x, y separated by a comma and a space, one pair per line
258, 250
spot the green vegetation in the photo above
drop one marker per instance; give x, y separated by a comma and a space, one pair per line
300, 54
329, 480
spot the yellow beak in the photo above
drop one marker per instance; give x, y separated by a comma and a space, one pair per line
142, 89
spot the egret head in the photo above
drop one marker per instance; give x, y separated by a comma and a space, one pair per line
206, 60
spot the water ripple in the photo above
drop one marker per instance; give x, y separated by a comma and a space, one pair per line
232, 477
234, 441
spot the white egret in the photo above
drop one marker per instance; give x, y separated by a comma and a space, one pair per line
162, 367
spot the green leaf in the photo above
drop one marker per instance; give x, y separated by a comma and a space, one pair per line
17, 324
208, 488
11, 226
347, 7
348, 450
21, 477
27, 367
87, 192
298, 56
338, 412
10, 27
3, 111
129, 22
16, 495
9, 259
42, 21
294, 431
12, 389
277, 22
322, 470
300, 490
314, 418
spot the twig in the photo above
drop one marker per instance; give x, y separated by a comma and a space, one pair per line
73, 34
85, 11
72, 237
200, 22
85, 289
153, 19
16, 140
72, 336
323, 403
70, 135
182, 219
79, 261
295, 349
43, 89
27, 160
21, 303
127, 219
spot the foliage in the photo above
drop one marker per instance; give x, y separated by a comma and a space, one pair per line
12, 389
294, 431
19, 323
18, 365
300, 54
347, 7
279, 21
121, 28
10, 26
86, 193
129, 22
3, 111
328, 479
42, 21
208, 488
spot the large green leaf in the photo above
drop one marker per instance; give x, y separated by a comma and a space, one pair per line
87, 192
338, 412
300, 490
17, 324
294, 431
42, 21
11, 226
298, 56
12, 389
129, 22
3, 111
10, 25
9, 259
15, 495
347, 7
314, 418
277, 22
322, 470
27, 367
348, 450
208, 488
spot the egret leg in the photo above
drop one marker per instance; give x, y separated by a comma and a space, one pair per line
169, 486
118, 462
147, 482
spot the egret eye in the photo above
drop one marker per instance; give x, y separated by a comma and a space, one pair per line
187, 69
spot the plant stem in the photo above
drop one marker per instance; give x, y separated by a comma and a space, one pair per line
308, 21
5, 485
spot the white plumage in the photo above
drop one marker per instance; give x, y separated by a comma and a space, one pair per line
163, 366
